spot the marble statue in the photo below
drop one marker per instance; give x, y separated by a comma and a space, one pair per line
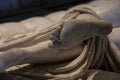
81, 43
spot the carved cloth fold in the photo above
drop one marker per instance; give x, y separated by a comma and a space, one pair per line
97, 50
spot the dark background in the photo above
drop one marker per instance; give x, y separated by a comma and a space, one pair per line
16, 10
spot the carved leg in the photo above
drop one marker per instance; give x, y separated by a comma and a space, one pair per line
39, 53
75, 31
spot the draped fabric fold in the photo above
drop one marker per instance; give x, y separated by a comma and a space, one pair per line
91, 57
96, 49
